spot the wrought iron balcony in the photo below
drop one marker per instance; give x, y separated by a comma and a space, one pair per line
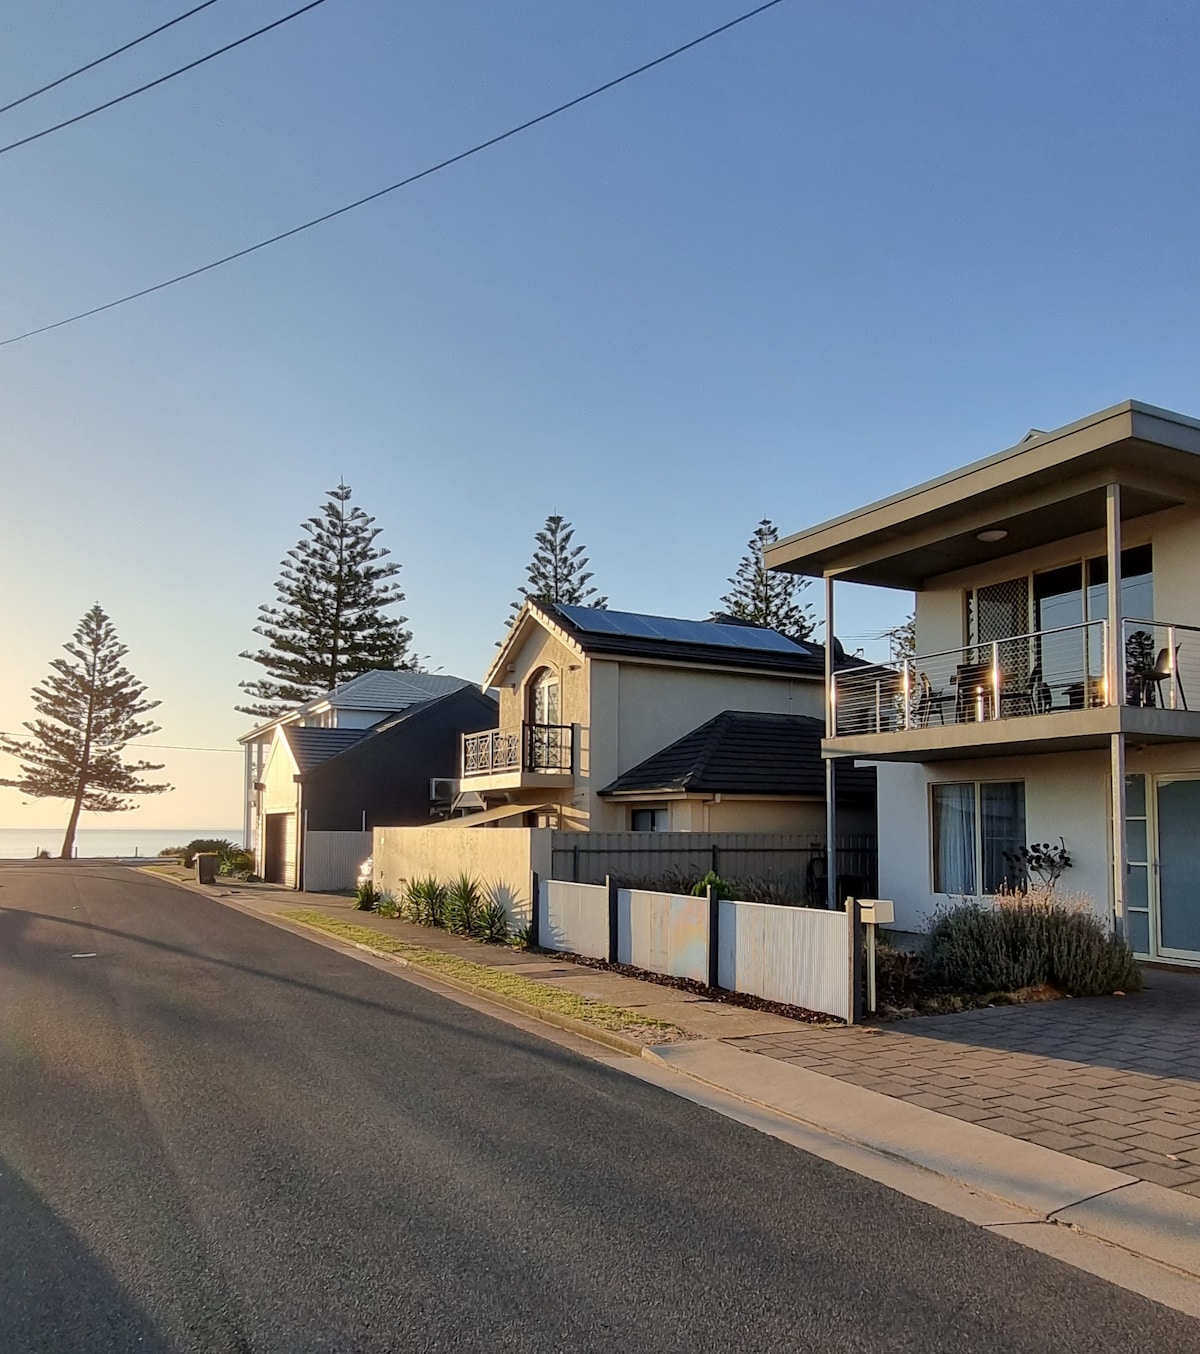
535, 747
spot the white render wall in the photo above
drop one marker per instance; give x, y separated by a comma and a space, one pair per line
1066, 794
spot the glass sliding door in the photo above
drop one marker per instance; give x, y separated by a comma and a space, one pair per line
1177, 804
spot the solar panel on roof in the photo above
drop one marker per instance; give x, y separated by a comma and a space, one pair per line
631, 625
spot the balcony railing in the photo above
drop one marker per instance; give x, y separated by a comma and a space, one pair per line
535, 747
1035, 674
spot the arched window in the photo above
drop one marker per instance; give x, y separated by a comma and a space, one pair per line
544, 707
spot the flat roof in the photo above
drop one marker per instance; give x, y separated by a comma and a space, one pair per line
1049, 486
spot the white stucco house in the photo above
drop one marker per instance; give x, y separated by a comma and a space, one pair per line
1055, 688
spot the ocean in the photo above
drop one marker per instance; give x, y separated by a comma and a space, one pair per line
18, 843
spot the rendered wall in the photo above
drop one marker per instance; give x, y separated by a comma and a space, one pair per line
500, 856
1066, 794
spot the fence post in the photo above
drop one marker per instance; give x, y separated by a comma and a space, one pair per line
575, 863
535, 928
613, 920
854, 923
714, 936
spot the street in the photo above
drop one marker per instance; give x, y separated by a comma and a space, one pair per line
216, 1136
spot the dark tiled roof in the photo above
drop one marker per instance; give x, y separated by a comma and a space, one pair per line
803, 657
311, 746
742, 753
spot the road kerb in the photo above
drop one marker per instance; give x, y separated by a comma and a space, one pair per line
1135, 1216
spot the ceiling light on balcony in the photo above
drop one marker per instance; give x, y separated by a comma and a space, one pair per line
991, 534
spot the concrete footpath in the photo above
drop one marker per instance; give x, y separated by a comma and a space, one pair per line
1037, 1195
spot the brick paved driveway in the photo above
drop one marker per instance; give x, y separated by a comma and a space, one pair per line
1114, 1080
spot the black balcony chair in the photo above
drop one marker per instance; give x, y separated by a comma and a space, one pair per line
1162, 671
1038, 692
929, 702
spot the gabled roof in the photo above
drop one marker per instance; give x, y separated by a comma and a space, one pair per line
387, 692
740, 752
314, 747
629, 634
310, 746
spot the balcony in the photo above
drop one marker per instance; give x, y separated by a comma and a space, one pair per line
1045, 690
534, 755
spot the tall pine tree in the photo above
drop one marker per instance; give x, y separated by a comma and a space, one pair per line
328, 624
558, 571
764, 598
90, 708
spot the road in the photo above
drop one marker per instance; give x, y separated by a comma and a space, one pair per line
217, 1136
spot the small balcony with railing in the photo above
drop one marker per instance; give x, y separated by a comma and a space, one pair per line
535, 755
1066, 687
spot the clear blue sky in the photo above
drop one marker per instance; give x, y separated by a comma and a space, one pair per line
842, 249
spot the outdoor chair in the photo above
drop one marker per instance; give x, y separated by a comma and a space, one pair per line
1161, 672
929, 701
1039, 695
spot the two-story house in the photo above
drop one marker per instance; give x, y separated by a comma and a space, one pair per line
361, 756
614, 721
1058, 648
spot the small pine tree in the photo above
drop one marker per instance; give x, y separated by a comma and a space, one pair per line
90, 707
328, 624
558, 571
764, 598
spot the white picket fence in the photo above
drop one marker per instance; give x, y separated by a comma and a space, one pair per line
797, 955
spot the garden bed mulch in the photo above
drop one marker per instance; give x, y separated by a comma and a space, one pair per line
779, 1008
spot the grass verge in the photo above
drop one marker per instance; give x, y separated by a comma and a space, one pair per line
617, 1019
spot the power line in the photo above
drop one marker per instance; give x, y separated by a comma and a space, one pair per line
162, 79
403, 183
108, 56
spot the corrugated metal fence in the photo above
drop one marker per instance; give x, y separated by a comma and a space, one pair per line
793, 862
797, 955
331, 859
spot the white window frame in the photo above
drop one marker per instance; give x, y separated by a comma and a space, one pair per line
978, 842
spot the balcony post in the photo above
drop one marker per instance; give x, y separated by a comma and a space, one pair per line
908, 693
1112, 663
830, 777
1171, 667
995, 680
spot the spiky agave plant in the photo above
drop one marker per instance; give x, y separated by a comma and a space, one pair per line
493, 918
464, 903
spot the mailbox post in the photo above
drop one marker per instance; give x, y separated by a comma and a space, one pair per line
874, 912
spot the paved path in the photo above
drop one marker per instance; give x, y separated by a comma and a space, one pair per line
217, 1136
1112, 1080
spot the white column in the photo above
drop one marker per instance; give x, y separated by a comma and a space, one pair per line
1117, 773
1116, 640
831, 899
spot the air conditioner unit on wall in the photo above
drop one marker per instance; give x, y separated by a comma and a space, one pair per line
442, 789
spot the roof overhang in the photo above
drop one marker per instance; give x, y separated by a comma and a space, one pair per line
1047, 488
497, 815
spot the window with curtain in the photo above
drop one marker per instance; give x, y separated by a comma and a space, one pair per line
976, 827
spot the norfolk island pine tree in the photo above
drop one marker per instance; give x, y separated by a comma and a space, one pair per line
558, 571
328, 624
764, 598
89, 708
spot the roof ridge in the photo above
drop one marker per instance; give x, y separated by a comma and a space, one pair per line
709, 746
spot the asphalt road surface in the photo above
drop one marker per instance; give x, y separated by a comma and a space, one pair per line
216, 1136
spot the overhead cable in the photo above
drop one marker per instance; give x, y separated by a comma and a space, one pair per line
162, 79
108, 56
402, 183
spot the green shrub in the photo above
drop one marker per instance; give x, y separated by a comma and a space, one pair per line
236, 863
1024, 941
493, 919
464, 902
425, 902
522, 937
701, 886
366, 896
386, 905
